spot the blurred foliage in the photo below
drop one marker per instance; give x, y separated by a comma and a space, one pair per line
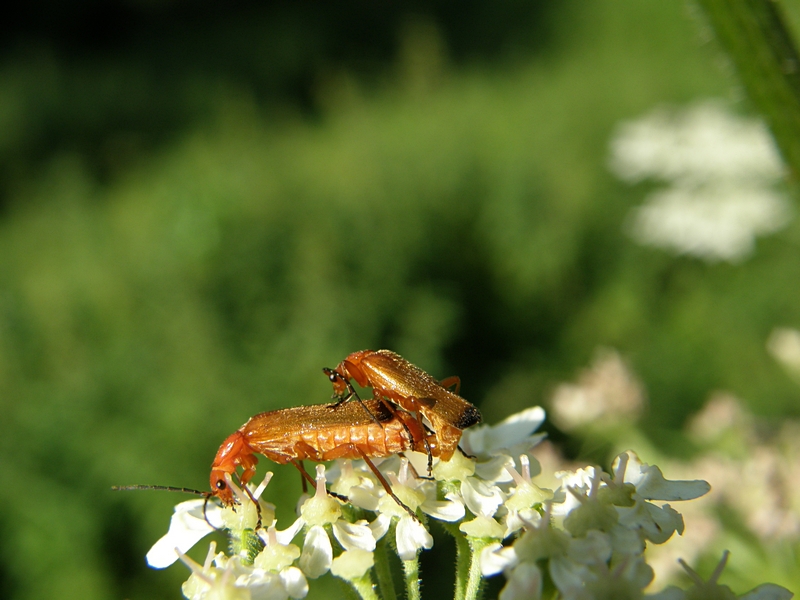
203, 205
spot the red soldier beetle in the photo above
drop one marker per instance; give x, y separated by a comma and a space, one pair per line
394, 378
319, 433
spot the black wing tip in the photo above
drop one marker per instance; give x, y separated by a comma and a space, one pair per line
471, 416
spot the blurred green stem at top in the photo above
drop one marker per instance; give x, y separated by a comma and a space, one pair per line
756, 38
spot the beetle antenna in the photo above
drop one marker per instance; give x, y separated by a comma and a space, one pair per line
163, 488
205, 514
169, 488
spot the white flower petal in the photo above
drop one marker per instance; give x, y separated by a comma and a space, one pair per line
480, 498
352, 564
449, 510
494, 469
411, 536
287, 535
186, 527
366, 498
564, 503
627, 541
651, 485
595, 548
482, 527
317, 553
257, 584
380, 526
517, 519
767, 591
657, 523
669, 593
524, 583
496, 558
295, 582
513, 431
418, 460
354, 536
570, 577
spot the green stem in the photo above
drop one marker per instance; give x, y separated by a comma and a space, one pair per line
245, 543
411, 568
364, 587
754, 35
475, 578
383, 571
463, 556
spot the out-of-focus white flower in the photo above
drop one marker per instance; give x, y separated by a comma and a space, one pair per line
496, 558
714, 591
605, 393
784, 345
716, 223
754, 477
722, 414
524, 583
620, 505
703, 142
720, 168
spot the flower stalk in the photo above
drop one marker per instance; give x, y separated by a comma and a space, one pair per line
756, 38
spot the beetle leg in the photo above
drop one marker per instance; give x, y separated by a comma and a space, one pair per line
418, 416
385, 484
465, 454
303, 480
312, 481
393, 409
413, 469
255, 501
452, 382
337, 380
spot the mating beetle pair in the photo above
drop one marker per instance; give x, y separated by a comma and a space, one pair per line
388, 424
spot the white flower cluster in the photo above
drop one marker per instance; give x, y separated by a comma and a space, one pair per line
753, 466
720, 169
584, 540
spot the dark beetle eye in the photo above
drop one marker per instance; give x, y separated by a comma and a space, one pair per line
221, 485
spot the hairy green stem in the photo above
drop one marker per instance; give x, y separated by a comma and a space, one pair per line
383, 570
411, 569
755, 37
364, 587
463, 560
475, 578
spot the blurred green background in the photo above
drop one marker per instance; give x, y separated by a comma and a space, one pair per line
202, 204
